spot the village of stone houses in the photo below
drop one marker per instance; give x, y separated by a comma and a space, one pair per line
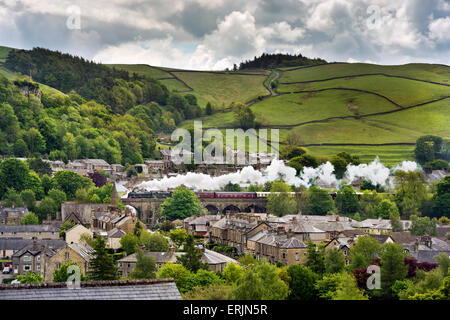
97, 229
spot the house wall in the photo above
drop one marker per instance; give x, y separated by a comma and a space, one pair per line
63, 256
74, 234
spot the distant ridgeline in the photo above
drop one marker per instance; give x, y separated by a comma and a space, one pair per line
279, 60
93, 81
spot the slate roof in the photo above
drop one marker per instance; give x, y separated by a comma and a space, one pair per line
29, 228
19, 243
4, 211
154, 289
211, 257
403, 237
442, 230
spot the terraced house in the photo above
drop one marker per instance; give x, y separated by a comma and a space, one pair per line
234, 231
9, 216
44, 259
40, 231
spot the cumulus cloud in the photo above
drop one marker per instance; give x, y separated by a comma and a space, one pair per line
206, 34
440, 29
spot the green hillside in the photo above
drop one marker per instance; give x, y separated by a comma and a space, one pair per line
220, 88
364, 109
341, 105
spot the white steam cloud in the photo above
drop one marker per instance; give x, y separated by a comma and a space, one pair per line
375, 172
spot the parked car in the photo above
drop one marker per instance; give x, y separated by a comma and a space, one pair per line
6, 270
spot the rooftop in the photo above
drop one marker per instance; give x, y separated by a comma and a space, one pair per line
154, 289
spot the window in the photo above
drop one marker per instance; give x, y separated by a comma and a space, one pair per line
26, 258
283, 255
26, 267
67, 255
296, 256
58, 266
129, 265
38, 267
38, 258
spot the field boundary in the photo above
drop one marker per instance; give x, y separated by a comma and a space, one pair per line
366, 75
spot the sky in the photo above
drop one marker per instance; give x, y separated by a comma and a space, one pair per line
215, 34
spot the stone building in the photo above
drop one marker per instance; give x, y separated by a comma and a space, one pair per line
45, 260
40, 231
10, 216
277, 248
233, 231
73, 234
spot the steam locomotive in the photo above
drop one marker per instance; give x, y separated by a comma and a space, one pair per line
209, 195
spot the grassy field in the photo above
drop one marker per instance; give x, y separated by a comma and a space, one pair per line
175, 85
142, 69
389, 155
402, 91
429, 72
223, 89
4, 53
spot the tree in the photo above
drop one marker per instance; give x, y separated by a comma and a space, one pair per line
393, 267
410, 192
192, 259
203, 278
213, 292
385, 209
315, 258
363, 253
46, 207
427, 148
129, 243
182, 204
423, 225
444, 263
306, 160
12, 198
368, 201
279, 201
327, 286
137, 231
244, 116
396, 223
295, 152
13, 174
302, 283
347, 200
29, 218
145, 266
208, 109
69, 182
347, 289
334, 260
29, 199
176, 271
232, 272
260, 282
102, 265
178, 236
154, 242
316, 201
232, 187
98, 179
39, 166
247, 260
30, 277
61, 275
340, 166
441, 199
58, 196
